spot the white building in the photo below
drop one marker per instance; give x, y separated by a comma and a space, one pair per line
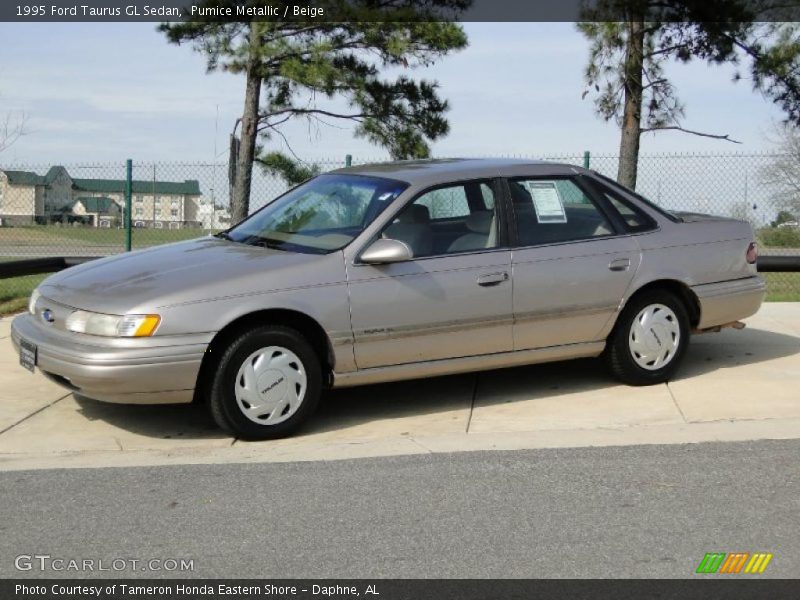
26, 198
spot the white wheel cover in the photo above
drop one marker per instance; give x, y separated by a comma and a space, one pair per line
270, 385
654, 337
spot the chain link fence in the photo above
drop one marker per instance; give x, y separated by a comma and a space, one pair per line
77, 210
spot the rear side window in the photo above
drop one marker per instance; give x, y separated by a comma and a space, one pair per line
610, 184
549, 211
635, 220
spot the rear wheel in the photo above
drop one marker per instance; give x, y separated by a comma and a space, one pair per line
649, 339
267, 384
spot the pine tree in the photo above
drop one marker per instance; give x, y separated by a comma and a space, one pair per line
293, 69
632, 40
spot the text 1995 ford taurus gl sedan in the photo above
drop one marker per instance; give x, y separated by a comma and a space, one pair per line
393, 271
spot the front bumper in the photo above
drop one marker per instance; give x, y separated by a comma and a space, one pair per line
728, 301
127, 371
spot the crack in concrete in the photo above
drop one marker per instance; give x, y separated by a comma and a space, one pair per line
472, 403
33, 414
737, 420
421, 445
675, 402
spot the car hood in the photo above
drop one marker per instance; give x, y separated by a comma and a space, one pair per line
191, 271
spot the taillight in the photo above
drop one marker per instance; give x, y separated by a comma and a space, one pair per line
752, 253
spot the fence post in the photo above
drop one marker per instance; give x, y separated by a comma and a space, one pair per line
128, 191
586, 159
348, 160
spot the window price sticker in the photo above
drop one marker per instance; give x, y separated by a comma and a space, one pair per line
547, 202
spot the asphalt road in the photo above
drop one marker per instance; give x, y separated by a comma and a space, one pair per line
642, 511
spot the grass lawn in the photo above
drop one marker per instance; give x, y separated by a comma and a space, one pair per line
14, 292
782, 287
81, 237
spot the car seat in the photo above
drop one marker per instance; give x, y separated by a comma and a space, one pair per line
482, 228
413, 226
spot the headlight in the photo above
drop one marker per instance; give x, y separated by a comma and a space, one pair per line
82, 321
32, 302
138, 325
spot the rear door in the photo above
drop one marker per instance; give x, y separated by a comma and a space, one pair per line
571, 263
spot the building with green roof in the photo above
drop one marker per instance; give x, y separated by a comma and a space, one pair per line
27, 197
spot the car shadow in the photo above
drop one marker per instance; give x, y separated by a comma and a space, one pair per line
408, 405
730, 348
162, 421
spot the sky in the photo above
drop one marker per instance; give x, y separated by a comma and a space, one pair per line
104, 92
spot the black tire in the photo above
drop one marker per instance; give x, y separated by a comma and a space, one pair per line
223, 405
618, 354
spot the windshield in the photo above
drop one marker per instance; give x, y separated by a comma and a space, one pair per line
324, 214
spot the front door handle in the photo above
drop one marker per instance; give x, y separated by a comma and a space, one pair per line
492, 279
620, 264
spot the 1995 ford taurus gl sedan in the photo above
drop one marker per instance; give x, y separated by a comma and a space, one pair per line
388, 272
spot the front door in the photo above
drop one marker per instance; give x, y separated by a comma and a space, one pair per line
454, 299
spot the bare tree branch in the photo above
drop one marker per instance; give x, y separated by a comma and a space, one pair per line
266, 124
783, 172
309, 111
725, 137
654, 82
12, 128
288, 146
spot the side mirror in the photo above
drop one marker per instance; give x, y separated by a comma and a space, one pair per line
386, 251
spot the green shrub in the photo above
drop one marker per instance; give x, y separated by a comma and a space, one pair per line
779, 237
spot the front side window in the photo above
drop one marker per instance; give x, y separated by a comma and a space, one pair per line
446, 220
549, 211
446, 203
324, 214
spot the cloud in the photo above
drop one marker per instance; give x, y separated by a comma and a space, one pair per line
109, 91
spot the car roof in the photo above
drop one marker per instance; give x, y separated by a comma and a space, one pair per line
441, 170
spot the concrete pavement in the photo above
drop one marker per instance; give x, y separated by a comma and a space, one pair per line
734, 385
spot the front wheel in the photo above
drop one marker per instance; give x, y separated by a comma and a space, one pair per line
268, 382
649, 339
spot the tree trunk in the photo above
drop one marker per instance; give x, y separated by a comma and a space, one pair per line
632, 109
240, 197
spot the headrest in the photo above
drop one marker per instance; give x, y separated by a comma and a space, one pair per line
519, 195
480, 222
416, 213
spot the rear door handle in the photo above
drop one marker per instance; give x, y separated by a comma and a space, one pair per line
620, 264
492, 279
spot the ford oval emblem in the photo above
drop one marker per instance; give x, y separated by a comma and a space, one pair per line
47, 315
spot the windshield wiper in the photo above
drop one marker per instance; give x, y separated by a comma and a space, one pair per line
265, 243
224, 235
